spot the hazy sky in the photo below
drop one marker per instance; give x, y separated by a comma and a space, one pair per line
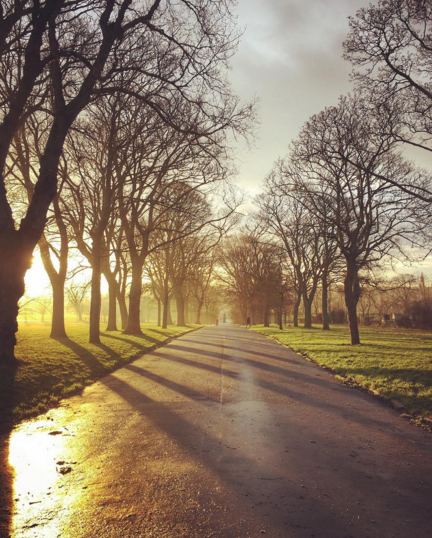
290, 57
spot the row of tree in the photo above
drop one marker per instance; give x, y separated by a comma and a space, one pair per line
115, 118
345, 200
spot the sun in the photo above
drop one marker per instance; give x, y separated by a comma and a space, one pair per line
36, 279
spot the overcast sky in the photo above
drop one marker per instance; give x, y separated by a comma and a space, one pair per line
290, 57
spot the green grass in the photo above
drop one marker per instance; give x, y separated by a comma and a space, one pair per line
396, 363
51, 369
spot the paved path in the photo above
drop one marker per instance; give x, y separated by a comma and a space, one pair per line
221, 434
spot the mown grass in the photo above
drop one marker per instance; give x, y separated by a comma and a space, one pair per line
51, 369
396, 363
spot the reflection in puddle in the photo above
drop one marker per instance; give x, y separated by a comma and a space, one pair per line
35, 454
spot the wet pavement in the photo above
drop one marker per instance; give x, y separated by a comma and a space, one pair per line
219, 434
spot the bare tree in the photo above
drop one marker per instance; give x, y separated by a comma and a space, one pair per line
389, 46
249, 268
370, 218
85, 49
290, 222
76, 294
21, 167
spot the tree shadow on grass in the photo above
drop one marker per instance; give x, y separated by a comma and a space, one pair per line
133, 343
86, 356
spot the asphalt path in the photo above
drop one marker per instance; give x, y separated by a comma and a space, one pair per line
223, 434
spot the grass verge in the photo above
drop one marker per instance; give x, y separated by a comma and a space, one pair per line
51, 369
393, 363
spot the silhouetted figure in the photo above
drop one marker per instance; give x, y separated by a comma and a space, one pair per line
248, 322
217, 322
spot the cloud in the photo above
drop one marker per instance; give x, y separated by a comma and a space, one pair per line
291, 57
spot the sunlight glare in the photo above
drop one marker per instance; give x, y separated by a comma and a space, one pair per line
36, 280
32, 454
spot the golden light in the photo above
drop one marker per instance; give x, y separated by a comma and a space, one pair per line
32, 455
36, 279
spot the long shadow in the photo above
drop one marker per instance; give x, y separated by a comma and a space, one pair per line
291, 393
132, 342
84, 355
161, 332
164, 382
140, 347
184, 433
187, 362
261, 365
253, 352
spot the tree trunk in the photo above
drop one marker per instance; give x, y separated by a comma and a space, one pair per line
307, 303
186, 310
266, 317
57, 278
280, 311
199, 309
96, 298
325, 314
13, 267
180, 304
352, 295
134, 325
165, 303
159, 312
169, 315
296, 309
123, 308
112, 306
58, 329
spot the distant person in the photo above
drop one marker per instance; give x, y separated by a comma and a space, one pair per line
248, 323
217, 322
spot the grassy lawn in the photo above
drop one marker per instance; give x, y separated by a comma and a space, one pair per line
53, 369
396, 363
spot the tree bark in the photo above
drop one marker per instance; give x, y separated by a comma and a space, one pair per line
186, 310
169, 315
352, 296
296, 309
199, 309
180, 304
96, 297
58, 329
123, 308
325, 314
57, 278
307, 303
112, 306
165, 303
134, 325
14, 263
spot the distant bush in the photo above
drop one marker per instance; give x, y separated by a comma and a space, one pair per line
405, 321
421, 314
338, 316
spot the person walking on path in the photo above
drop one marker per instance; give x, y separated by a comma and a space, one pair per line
248, 323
